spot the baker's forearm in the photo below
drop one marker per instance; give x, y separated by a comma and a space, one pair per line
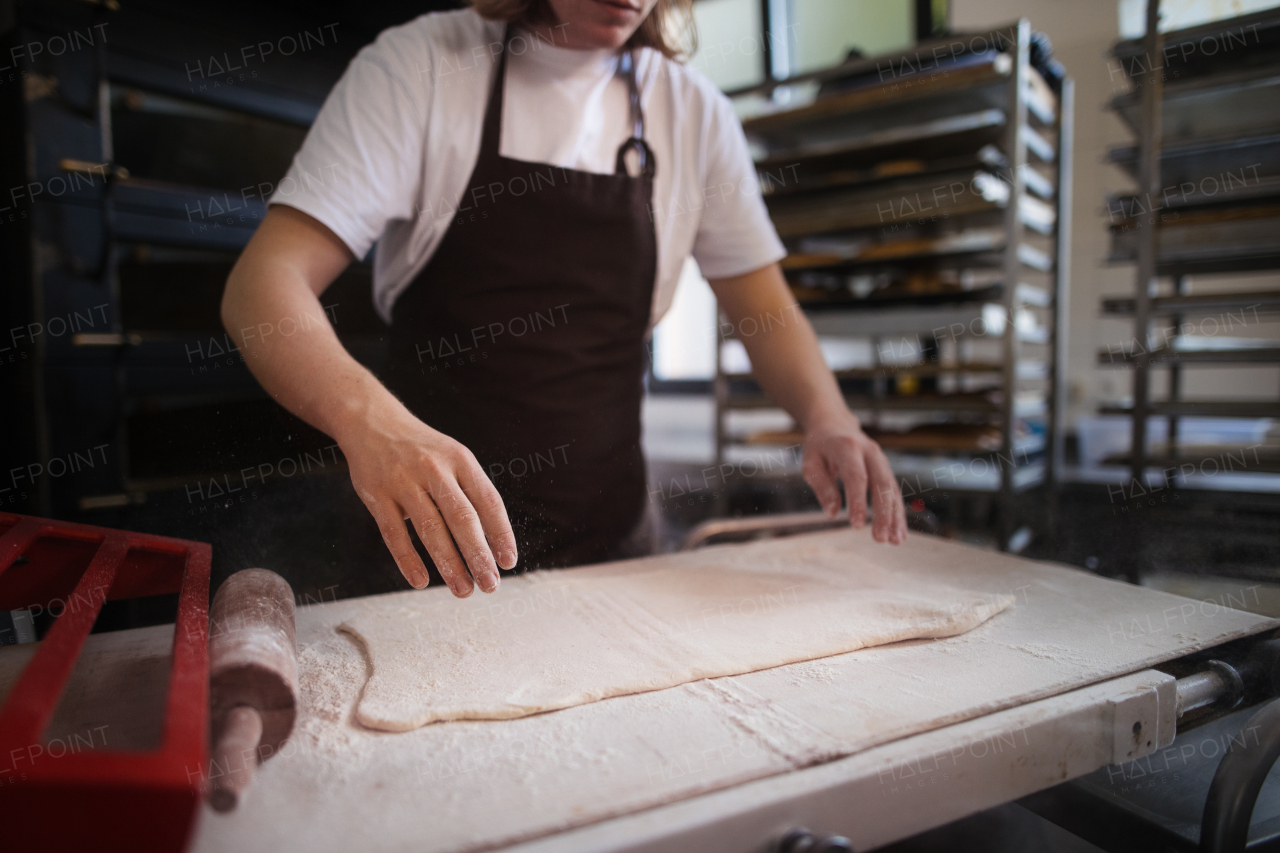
784, 352
273, 314
788, 364
401, 468
307, 371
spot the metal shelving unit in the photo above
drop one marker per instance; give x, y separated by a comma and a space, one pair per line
1207, 169
925, 204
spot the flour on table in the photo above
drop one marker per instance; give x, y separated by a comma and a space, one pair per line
553, 640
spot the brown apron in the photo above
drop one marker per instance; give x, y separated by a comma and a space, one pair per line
524, 339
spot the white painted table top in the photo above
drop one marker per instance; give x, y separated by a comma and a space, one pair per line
459, 786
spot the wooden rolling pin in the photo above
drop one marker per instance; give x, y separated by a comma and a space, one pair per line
253, 679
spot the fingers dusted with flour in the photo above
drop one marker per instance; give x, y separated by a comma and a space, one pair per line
435, 483
838, 449
888, 512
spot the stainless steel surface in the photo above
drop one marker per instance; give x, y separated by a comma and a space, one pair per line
1059, 331
1015, 148
1205, 408
1152, 91
1234, 793
1239, 103
1227, 168
976, 125
1207, 168
1253, 460
866, 224
804, 841
904, 200
921, 403
1262, 301
1199, 691
1155, 804
1207, 241
1171, 358
995, 37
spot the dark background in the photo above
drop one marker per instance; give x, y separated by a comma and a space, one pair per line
125, 405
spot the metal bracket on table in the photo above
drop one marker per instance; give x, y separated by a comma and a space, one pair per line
1122, 821
1143, 719
1141, 715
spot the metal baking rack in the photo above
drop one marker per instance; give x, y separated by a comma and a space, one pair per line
924, 197
1206, 114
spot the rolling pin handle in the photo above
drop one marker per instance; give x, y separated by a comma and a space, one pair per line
234, 757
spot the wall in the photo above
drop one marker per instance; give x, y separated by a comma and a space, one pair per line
819, 34
1178, 14
728, 42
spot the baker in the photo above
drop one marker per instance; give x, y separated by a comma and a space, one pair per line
535, 174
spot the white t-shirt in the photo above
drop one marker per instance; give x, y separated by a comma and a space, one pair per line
392, 150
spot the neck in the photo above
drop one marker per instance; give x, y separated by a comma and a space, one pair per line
562, 35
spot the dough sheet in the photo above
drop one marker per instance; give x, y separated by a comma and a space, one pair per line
555, 639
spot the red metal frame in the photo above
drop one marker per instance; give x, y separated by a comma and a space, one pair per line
101, 799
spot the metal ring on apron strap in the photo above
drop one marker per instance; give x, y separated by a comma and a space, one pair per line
627, 66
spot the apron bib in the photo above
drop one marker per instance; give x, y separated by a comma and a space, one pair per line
524, 339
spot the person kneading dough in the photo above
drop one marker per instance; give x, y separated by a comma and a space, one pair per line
533, 174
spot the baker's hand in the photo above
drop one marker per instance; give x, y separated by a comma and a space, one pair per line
837, 448
404, 469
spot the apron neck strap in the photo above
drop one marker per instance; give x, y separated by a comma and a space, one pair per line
644, 154
627, 65
491, 135
492, 132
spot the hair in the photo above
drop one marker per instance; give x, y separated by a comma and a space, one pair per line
668, 28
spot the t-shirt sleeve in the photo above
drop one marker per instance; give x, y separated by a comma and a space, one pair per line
361, 163
735, 234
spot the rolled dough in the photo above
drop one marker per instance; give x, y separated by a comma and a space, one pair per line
555, 639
